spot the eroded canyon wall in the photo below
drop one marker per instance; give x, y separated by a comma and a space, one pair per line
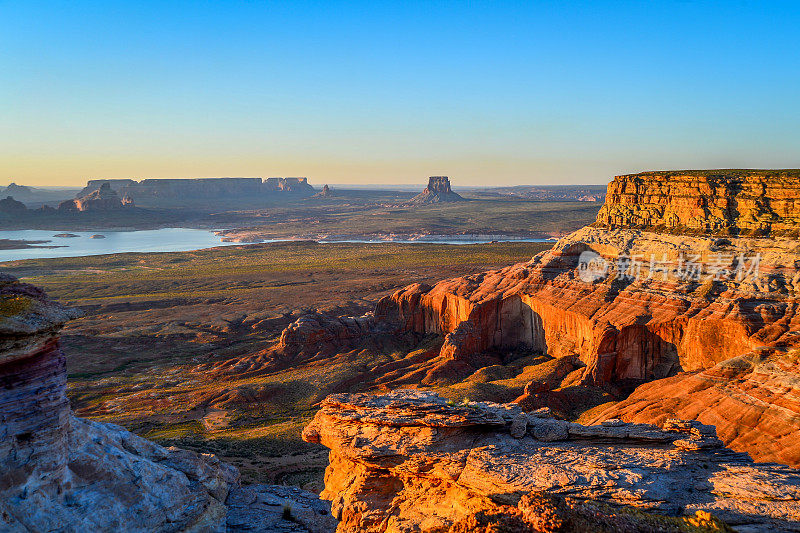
638, 329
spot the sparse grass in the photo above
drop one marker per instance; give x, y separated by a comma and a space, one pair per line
477, 215
241, 270
14, 305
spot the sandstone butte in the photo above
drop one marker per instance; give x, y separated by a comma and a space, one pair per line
755, 202
62, 473
102, 199
437, 191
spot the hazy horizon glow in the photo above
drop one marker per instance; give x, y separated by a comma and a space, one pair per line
496, 93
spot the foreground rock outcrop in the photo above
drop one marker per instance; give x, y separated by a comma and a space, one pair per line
754, 202
62, 473
410, 461
753, 400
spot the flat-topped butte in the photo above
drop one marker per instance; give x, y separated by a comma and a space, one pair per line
719, 202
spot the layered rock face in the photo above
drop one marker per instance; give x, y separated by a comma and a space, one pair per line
759, 202
753, 400
438, 190
622, 329
409, 461
315, 333
62, 473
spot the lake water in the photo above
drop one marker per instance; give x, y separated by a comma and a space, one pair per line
164, 240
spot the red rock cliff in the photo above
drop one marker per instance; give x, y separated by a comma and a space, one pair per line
711, 201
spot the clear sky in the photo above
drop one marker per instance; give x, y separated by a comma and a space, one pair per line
392, 92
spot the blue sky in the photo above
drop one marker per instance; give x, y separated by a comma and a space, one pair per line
385, 92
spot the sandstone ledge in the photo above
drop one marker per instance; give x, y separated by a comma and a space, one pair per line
391, 473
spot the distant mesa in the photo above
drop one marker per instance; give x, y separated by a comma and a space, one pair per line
9, 205
437, 191
102, 199
201, 188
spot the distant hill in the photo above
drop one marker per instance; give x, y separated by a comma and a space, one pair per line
552, 193
35, 196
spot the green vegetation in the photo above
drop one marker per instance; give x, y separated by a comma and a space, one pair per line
14, 305
238, 270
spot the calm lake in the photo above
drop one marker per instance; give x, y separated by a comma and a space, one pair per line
160, 240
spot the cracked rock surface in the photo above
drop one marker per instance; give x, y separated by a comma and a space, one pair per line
410, 461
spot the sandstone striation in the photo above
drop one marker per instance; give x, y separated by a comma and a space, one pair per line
62, 473
315, 333
756, 202
753, 400
409, 461
621, 329
437, 191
